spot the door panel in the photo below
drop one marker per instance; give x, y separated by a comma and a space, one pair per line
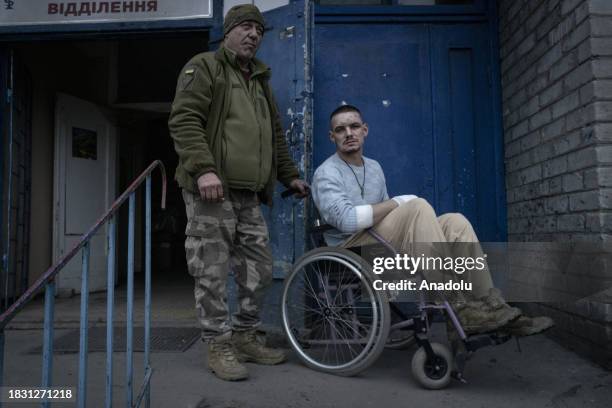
86, 166
85, 148
282, 49
468, 172
386, 75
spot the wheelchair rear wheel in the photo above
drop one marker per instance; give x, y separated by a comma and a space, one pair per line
334, 319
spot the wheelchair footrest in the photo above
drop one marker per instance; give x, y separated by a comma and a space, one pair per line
473, 343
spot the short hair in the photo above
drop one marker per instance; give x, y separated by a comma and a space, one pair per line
343, 109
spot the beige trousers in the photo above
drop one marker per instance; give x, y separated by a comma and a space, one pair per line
414, 229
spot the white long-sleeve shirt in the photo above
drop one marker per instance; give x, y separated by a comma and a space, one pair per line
337, 195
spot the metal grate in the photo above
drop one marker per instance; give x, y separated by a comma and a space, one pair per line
163, 339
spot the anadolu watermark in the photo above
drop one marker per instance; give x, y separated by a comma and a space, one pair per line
435, 273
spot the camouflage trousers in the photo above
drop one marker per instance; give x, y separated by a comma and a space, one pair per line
231, 234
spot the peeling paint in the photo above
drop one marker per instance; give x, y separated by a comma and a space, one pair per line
386, 103
284, 266
345, 75
288, 32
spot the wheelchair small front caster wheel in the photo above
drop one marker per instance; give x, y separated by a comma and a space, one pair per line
433, 373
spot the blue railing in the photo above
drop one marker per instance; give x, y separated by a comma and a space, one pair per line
47, 280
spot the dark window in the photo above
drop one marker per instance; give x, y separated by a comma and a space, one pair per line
84, 144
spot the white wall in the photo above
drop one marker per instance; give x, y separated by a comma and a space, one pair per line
264, 5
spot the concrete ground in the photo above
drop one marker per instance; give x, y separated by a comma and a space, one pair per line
543, 375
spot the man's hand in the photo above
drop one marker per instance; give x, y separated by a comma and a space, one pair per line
210, 187
301, 188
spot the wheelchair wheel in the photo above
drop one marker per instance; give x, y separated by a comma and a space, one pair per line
334, 319
435, 373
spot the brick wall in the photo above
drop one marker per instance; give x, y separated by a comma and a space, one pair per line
556, 69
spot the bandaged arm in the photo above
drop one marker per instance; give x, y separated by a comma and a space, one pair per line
337, 209
368, 215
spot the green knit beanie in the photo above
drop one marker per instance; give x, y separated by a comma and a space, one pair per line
241, 13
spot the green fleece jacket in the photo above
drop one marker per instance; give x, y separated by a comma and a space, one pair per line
197, 122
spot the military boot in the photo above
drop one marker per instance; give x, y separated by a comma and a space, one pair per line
250, 349
223, 362
487, 314
494, 300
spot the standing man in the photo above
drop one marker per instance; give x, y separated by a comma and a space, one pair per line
350, 192
231, 147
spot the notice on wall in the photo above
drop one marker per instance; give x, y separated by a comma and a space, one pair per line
39, 12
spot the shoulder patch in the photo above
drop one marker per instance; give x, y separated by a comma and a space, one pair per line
186, 79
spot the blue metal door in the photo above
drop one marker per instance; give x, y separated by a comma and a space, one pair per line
384, 70
285, 50
425, 91
469, 171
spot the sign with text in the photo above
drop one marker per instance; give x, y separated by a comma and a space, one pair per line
37, 12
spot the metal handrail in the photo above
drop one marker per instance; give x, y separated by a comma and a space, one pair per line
47, 280
50, 273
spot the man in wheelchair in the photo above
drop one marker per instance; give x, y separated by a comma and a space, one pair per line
350, 193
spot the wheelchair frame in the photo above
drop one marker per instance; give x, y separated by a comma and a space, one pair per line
433, 364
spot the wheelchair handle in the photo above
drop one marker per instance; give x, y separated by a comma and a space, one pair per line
287, 193
290, 191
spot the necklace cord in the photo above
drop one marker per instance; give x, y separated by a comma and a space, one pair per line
361, 186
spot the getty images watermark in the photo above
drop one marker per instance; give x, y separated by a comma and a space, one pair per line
433, 272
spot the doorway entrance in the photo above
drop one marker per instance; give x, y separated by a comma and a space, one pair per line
84, 185
99, 112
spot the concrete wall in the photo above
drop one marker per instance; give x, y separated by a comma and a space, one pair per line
264, 5
556, 67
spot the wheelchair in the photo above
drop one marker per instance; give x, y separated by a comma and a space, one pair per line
337, 323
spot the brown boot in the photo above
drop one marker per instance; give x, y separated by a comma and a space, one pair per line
479, 317
223, 362
494, 300
250, 349
489, 313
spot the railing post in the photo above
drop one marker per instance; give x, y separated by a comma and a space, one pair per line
47, 370
147, 337
47, 281
110, 303
130, 303
82, 393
